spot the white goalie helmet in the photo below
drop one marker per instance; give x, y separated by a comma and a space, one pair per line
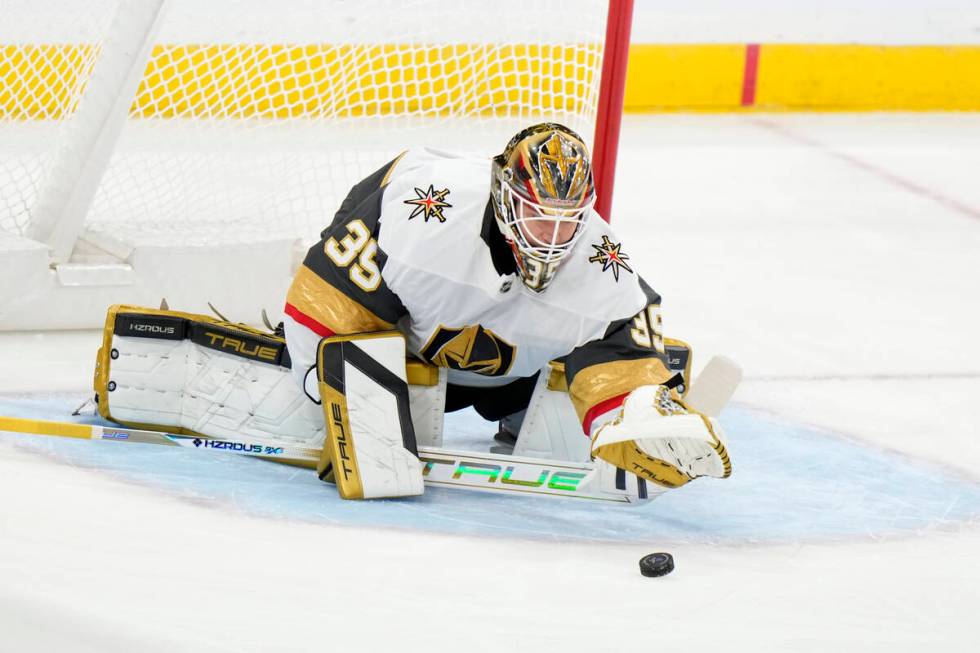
542, 193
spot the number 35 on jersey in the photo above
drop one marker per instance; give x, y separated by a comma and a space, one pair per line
357, 244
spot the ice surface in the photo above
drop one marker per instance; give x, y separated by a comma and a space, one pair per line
793, 484
833, 256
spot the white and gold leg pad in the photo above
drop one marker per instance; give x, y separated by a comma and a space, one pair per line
370, 449
193, 374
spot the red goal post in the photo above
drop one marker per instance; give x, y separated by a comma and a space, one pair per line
610, 110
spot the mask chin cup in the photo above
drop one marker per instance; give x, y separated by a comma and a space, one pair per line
536, 275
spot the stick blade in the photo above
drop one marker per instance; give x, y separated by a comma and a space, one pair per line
714, 387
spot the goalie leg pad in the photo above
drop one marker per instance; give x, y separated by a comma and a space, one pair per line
370, 449
551, 428
171, 371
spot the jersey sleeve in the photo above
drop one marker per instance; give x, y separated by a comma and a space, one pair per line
631, 353
339, 288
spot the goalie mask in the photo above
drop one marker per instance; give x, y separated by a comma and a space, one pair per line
542, 193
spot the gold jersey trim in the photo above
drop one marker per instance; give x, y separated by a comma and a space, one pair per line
317, 299
391, 169
597, 383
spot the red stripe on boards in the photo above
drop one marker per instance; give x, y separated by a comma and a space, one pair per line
751, 74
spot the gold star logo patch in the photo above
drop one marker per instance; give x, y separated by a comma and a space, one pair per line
609, 255
429, 203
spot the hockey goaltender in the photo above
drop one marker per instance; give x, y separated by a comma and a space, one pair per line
512, 297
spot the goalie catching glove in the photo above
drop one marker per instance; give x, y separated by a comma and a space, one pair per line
657, 438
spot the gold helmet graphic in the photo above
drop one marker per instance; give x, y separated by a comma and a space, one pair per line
542, 193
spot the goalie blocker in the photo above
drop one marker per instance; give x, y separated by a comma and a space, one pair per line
370, 450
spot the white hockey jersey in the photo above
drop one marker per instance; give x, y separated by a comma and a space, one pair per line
415, 247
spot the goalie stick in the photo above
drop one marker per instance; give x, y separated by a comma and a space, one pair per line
441, 467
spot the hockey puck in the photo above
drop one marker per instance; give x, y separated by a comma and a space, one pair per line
656, 564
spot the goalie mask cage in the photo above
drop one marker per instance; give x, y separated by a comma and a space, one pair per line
193, 150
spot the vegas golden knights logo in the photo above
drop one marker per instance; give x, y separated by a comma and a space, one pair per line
471, 348
556, 159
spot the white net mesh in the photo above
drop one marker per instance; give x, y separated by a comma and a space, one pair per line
46, 55
253, 119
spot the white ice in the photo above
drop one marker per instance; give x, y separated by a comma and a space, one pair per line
834, 256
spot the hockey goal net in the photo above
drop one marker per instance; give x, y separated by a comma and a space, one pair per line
192, 150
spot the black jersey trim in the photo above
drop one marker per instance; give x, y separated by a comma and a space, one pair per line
500, 252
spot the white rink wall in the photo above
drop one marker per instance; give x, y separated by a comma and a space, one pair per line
877, 22
895, 22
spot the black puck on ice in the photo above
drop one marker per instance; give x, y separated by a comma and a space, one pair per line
656, 564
